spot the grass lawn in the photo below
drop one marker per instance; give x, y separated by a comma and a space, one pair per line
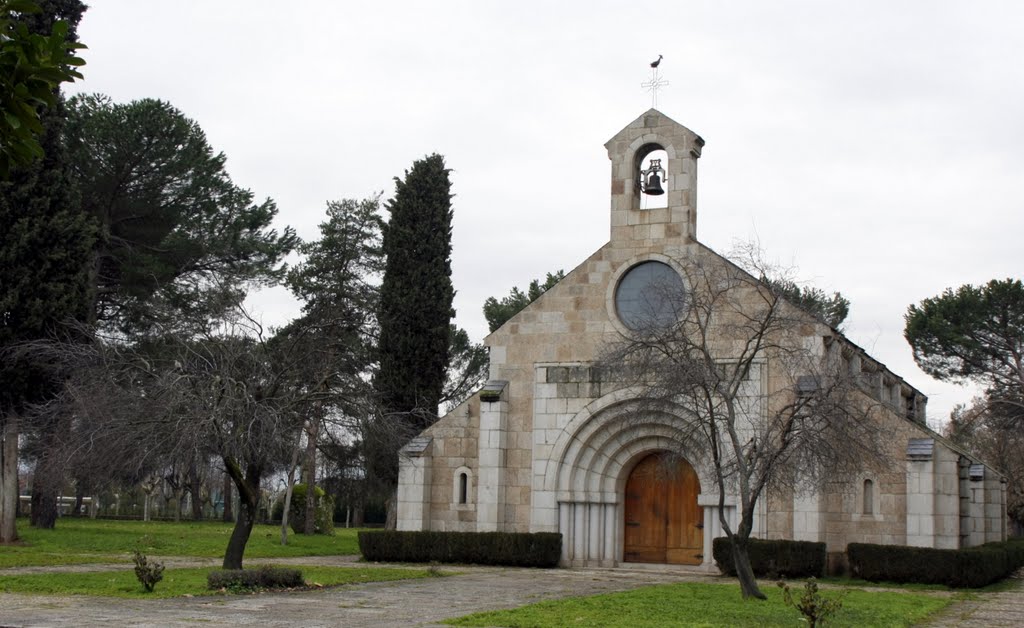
699, 604
178, 582
96, 540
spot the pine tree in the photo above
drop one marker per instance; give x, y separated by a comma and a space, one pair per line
179, 242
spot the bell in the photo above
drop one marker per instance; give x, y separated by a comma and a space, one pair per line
653, 185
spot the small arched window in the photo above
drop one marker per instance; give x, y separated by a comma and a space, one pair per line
869, 497
462, 488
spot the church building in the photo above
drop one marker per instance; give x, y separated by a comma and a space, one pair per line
547, 445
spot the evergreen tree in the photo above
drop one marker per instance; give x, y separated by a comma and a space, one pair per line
37, 54
831, 310
45, 248
416, 294
414, 316
179, 243
337, 284
973, 333
498, 312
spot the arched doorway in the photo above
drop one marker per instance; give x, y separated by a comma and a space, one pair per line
664, 524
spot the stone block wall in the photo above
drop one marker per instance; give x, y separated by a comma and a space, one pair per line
455, 447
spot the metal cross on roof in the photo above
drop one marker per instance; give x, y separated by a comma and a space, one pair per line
655, 83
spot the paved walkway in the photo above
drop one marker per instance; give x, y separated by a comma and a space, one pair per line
421, 602
1003, 608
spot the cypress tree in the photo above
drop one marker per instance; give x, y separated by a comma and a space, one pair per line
416, 295
46, 245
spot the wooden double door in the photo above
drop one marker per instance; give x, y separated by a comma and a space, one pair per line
664, 524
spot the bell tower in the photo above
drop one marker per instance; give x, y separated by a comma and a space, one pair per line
633, 179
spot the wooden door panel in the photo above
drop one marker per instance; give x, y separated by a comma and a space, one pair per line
662, 518
685, 534
645, 515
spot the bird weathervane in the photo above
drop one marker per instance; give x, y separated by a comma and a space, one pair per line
655, 83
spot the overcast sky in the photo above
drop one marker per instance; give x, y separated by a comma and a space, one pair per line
878, 147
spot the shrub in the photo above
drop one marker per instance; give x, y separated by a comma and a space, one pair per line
541, 549
971, 567
815, 608
774, 558
263, 577
148, 573
324, 523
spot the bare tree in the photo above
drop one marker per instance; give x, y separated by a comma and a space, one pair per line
162, 402
232, 394
756, 385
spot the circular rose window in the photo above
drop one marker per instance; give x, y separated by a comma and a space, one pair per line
650, 295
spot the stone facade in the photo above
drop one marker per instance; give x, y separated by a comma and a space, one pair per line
543, 449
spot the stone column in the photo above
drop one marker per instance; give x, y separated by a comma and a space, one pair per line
995, 507
493, 444
414, 479
976, 522
947, 498
920, 492
713, 524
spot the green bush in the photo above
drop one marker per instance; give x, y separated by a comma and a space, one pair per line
147, 572
542, 549
324, 523
815, 608
774, 558
264, 577
971, 567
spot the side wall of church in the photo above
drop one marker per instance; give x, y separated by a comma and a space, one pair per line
941, 499
455, 446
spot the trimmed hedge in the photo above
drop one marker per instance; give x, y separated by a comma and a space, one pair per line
774, 558
960, 568
541, 549
264, 577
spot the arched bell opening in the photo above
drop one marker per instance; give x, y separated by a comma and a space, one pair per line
651, 177
662, 522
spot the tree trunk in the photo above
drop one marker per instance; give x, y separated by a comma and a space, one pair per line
9, 480
44, 508
196, 490
391, 520
288, 490
229, 511
179, 495
79, 496
248, 486
45, 485
745, 573
240, 535
309, 476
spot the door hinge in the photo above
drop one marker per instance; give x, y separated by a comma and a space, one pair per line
699, 526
